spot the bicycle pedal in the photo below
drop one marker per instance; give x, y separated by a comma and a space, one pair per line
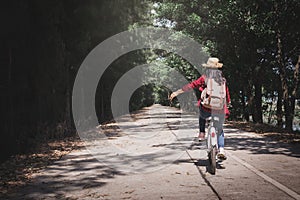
221, 166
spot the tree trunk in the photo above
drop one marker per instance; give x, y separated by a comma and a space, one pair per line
284, 85
289, 94
296, 78
257, 115
250, 105
294, 93
245, 106
279, 112
68, 114
270, 112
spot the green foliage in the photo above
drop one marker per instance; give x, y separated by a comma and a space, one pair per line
142, 97
244, 35
44, 44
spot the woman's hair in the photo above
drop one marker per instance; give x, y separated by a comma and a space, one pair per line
216, 75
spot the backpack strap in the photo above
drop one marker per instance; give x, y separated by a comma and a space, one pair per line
209, 97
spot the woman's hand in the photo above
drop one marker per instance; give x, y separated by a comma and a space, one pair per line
172, 96
175, 94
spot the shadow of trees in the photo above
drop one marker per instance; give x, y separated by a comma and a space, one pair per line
71, 175
263, 146
80, 172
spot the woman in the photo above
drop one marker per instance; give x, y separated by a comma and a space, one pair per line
212, 72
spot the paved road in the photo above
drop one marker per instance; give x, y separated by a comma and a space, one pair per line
153, 155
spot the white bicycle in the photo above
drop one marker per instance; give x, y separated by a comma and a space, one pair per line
212, 143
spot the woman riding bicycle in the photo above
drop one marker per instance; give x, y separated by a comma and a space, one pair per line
212, 72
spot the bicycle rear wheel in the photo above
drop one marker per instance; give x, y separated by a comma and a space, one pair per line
212, 158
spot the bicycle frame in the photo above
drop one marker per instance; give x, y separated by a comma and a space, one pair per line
212, 139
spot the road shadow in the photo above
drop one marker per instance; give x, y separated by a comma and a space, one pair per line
80, 171
72, 174
262, 145
205, 163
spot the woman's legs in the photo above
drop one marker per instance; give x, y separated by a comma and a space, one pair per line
221, 138
202, 121
219, 126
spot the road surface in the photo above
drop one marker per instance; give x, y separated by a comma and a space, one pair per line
153, 155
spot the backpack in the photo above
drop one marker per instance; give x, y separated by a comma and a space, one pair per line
213, 96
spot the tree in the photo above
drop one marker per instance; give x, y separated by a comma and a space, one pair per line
246, 36
42, 46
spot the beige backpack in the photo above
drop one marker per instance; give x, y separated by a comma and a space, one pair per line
213, 96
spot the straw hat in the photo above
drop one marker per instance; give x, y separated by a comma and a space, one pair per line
213, 63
